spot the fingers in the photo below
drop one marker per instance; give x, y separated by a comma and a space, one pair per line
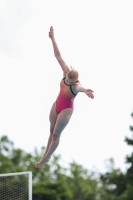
51, 28
51, 32
91, 96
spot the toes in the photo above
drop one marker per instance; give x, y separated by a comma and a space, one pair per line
42, 163
37, 165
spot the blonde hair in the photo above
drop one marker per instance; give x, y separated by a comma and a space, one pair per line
73, 74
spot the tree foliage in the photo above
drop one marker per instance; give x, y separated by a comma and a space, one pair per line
73, 183
117, 185
52, 181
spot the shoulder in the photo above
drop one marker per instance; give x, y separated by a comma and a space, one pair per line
76, 86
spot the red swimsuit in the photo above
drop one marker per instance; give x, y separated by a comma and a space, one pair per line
65, 97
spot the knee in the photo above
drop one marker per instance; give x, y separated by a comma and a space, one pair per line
51, 130
56, 136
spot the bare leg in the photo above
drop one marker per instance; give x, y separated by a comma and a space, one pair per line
52, 143
52, 119
61, 122
48, 145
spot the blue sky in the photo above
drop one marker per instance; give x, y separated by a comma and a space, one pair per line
95, 37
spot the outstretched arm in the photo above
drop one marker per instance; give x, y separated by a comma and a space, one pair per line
57, 53
88, 92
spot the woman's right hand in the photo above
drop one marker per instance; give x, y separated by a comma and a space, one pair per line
51, 32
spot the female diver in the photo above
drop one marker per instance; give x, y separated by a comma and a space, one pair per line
63, 107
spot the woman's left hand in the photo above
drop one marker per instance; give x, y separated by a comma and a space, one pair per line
89, 93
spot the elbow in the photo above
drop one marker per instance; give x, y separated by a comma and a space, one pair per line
57, 55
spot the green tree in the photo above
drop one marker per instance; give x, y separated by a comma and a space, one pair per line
128, 192
117, 185
57, 190
113, 182
52, 181
82, 183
